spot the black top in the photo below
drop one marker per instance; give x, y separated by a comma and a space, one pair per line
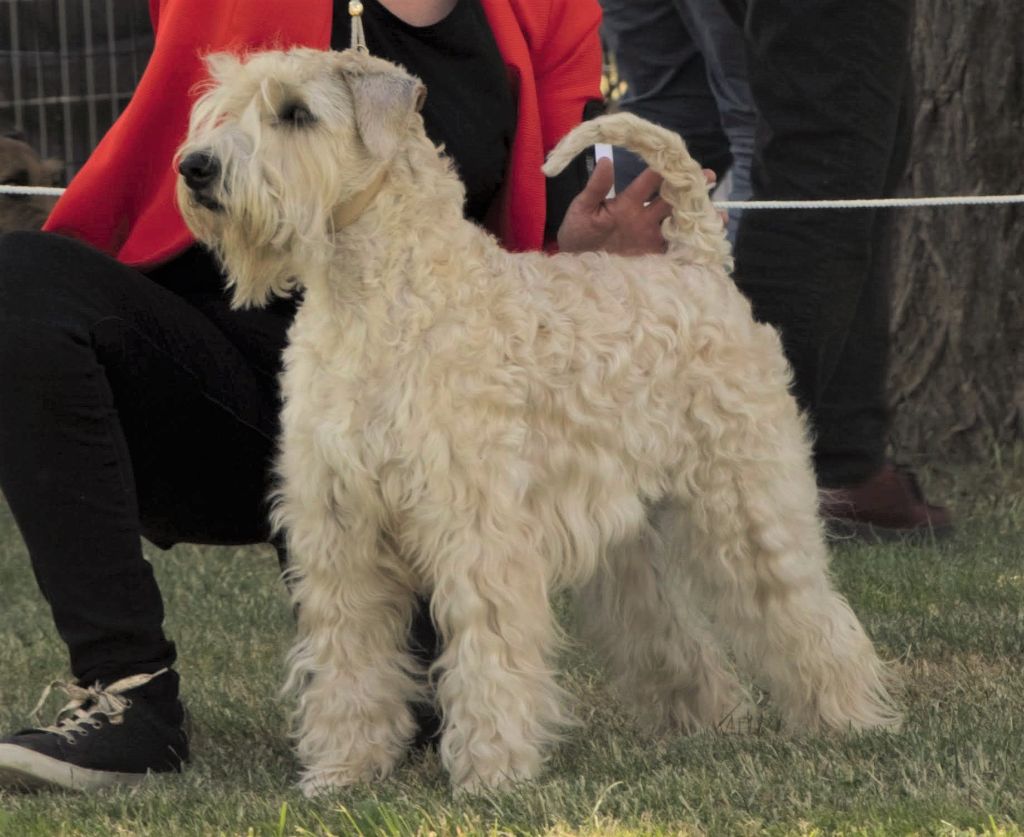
469, 106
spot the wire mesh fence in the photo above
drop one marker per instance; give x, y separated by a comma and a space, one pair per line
67, 69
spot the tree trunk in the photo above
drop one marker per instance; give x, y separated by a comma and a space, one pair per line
957, 369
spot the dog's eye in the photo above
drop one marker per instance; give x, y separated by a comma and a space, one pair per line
18, 178
296, 113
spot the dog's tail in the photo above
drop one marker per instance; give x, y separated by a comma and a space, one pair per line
694, 231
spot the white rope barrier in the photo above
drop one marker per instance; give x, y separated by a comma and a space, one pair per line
859, 203
31, 190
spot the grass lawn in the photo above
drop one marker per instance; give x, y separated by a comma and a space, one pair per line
952, 614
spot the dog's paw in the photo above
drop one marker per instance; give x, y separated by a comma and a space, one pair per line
316, 783
493, 770
744, 717
477, 783
688, 712
317, 780
313, 787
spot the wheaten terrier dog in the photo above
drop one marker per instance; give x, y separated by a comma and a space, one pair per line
485, 428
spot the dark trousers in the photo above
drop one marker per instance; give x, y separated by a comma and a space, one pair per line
685, 69
130, 405
831, 83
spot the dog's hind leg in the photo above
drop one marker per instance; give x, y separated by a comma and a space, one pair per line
662, 659
761, 563
350, 664
499, 699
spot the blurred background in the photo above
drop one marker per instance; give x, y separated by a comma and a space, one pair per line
67, 69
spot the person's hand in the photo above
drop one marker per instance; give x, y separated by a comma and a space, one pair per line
628, 224
623, 224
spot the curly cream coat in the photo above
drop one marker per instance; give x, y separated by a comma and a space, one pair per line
485, 428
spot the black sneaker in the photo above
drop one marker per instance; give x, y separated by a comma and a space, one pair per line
106, 735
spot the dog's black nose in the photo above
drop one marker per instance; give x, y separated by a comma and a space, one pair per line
199, 169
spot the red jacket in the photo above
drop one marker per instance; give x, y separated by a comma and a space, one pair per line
122, 200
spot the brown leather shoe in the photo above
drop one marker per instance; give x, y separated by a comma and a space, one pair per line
888, 506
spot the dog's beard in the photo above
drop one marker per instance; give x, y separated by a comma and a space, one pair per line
253, 246
255, 275
199, 216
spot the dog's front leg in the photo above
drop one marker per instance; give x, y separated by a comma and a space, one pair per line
350, 664
499, 698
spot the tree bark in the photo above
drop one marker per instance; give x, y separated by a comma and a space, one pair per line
957, 274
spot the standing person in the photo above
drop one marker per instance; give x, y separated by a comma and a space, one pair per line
832, 86
133, 399
684, 66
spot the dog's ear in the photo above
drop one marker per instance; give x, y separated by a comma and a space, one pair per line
221, 65
384, 102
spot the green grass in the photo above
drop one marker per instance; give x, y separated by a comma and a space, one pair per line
952, 614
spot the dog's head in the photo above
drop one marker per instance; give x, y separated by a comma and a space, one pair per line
277, 147
21, 166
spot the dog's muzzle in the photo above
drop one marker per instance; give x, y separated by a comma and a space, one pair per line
201, 171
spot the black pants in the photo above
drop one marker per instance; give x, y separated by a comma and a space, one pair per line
130, 405
831, 84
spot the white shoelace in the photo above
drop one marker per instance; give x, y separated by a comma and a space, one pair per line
87, 703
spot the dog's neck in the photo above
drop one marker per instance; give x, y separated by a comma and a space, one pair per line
398, 236
416, 196
347, 212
